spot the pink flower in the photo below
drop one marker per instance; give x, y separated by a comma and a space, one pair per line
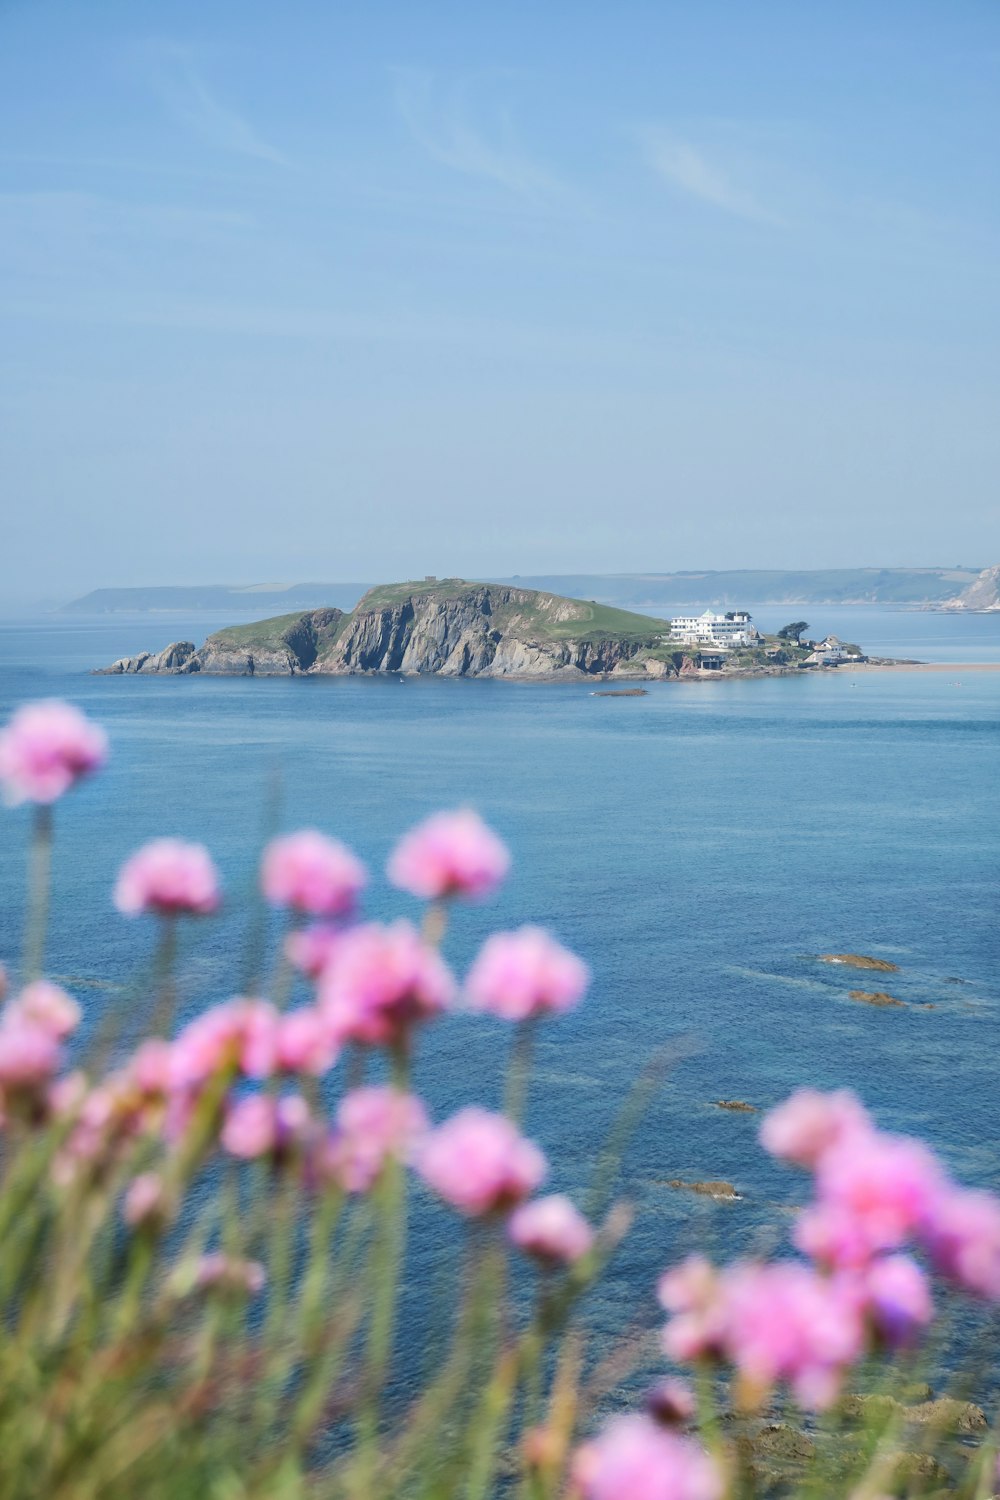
809, 1123
885, 1186
151, 1067
46, 748
373, 1124
786, 1322
229, 1273
170, 878
450, 854
144, 1200
380, 981
552, 1229
963, 1238
261, 1125
312, 874
634, 1458
239, 1034
47, 1006
525, 973
693, 1292
312, 949
304, 1043
477, 1162
29, 1055
671, 1403
897, 1298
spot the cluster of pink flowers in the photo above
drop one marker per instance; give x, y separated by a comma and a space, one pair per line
33, 1027
877, 1192
807, 1324
311, 874
47, 748
380, 981
450, 854
635, 1458
480, 1163
169, 878
526, 973
372, 1125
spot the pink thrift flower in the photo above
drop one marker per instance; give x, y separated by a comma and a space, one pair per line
45, 749
303, 1042
170, 878
477, 1162
809, 1123
229, 1273
151, 1067
552, 1229
312, 874
47, 1006
898, 1299
671, 1403
261, 1125
311, 950
786, 1322
239, 1034
693, 1293
634, 1458
380, 981
372, 1124
525, 973
144, 1200
450, 854
963, 1238
29, 1055
886, 1186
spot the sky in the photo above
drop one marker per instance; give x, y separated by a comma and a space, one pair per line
337, 290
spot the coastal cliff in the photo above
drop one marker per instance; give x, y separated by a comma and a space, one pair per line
983, 595
449, 629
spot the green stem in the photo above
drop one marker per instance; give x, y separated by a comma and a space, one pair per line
519, 1070
39, 892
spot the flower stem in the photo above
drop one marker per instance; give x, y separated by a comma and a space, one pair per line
39, 891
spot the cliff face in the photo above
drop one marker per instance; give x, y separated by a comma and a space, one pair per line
276, 648
452, 631
984, 593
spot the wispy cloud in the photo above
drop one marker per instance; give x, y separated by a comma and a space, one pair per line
442, 128
688, 169
187, 94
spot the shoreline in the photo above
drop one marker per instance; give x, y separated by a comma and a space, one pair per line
916, 666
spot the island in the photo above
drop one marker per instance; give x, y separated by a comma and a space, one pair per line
453, 628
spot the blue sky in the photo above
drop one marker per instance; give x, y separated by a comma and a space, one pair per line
338, 290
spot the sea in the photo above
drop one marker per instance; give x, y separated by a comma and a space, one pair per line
700, 847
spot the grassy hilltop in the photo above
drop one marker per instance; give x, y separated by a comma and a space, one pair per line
543, 616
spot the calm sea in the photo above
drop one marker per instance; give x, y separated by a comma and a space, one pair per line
699, 846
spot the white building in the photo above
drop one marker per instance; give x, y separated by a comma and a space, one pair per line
831, 649
732, 629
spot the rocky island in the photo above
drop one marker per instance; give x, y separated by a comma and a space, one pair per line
453, 628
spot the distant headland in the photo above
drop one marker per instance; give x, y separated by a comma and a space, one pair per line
455, 628
642, 593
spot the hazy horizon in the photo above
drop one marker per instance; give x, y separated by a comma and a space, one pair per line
342, 292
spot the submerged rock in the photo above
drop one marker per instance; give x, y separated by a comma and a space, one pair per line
875, 997
710, 1189
859, 961
739, 1105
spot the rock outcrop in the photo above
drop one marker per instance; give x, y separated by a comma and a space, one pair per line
450, 630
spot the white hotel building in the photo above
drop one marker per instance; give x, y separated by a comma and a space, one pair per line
732, 629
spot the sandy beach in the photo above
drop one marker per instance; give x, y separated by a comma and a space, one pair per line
919, 666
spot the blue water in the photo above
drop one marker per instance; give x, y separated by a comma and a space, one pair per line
699, 846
